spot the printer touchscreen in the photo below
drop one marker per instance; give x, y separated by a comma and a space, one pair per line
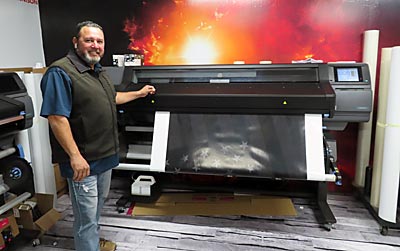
347, 74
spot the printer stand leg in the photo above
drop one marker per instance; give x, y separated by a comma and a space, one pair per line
327, 217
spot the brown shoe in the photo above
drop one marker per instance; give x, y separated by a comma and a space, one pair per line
106, 245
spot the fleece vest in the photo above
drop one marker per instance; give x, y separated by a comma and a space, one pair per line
93, 117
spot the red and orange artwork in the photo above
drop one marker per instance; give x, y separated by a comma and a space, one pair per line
220, 32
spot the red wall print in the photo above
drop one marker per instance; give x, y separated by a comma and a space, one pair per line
187, 32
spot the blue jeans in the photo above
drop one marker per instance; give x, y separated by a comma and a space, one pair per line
87, 197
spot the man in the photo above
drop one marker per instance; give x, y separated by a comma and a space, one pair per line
79, 102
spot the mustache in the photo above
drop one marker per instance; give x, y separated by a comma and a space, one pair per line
95, 51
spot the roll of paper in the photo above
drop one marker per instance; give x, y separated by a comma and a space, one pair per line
391, 146
386, 55
314, 147
370, 55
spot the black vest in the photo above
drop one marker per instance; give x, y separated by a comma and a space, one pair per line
93, 117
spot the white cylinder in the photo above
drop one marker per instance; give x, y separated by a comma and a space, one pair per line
370, 56
391, 146
386, 55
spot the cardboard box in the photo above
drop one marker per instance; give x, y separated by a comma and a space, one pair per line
37, 213
61, 182
7, 222
216, 204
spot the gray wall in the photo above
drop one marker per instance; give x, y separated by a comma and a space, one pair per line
21, 36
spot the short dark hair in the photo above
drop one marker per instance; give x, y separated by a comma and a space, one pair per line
86, 24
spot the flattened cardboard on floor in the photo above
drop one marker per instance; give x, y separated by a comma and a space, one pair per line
216, 204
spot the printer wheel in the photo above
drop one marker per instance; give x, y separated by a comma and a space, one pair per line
17, 174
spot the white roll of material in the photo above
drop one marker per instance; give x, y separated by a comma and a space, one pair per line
391, 146
386, 56
43, 169
370, 56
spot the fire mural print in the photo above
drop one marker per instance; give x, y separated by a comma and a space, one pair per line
207, 32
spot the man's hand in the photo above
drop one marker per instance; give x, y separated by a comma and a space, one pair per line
124, 97
80, 167
146, 90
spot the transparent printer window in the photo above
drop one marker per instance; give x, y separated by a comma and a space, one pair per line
347, 74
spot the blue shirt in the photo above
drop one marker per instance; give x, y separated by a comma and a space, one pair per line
57, 100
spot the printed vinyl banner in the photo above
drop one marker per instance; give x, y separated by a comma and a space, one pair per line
238, 145
197, 31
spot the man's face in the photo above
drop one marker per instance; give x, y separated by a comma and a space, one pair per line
90, 44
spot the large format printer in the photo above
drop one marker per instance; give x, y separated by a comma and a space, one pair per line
16, 114
16, 108
257, 121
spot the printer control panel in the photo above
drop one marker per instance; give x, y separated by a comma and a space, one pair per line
352, 85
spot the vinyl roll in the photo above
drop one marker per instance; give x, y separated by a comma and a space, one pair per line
386, 55
39, 140
314, 147
391, 146
370, 56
